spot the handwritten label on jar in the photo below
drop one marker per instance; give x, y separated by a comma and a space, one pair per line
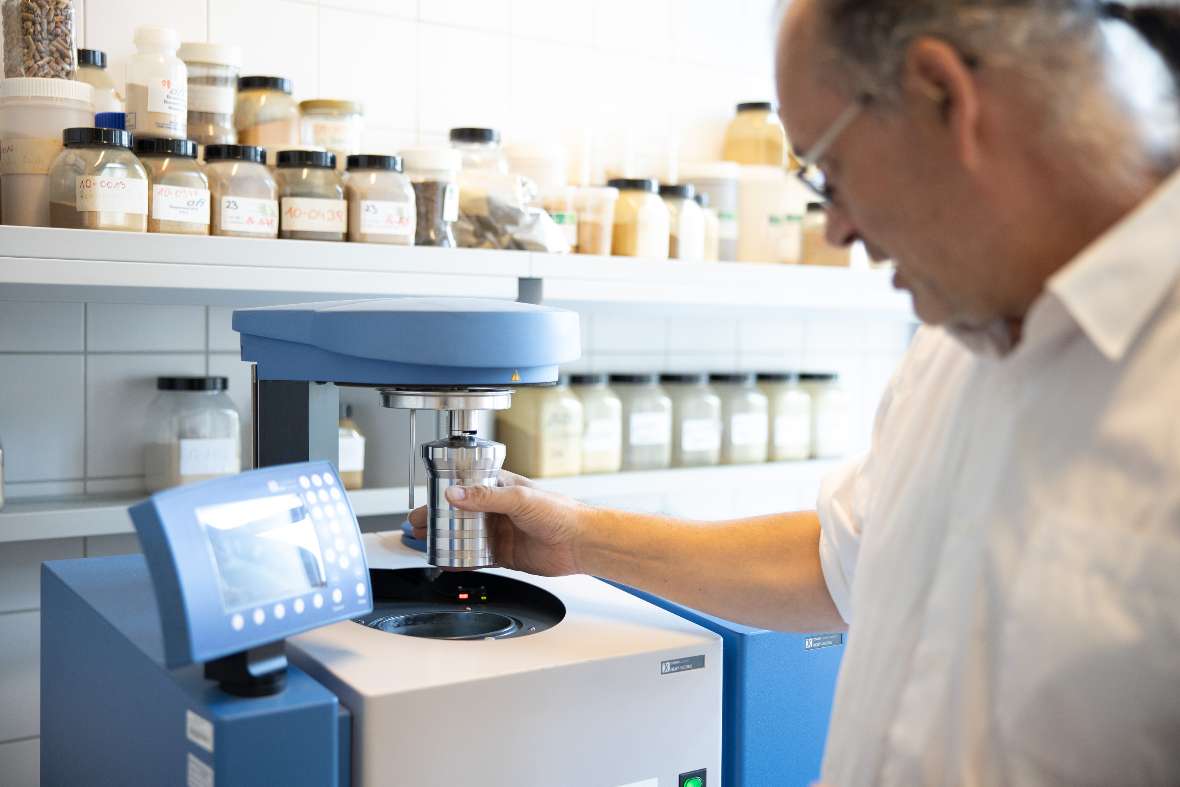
650, 429
178, 203
247, 214
217, 456
211, 98
28, 156
747, 429
352, 454
700, 434
166, 96
450, 211
332, 134
116, 195
309, 214
602, 436
381, 217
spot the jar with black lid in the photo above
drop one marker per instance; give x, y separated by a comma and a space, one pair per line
311, 196
97, 183
243, 192
193, 432
641, 225
380, 200
265, 114
178, 194
647, 421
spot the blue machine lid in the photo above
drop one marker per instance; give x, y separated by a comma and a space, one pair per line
410, 341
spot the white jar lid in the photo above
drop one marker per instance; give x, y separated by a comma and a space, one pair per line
151, 36
708, 170
431, 158
215, 54
40, 87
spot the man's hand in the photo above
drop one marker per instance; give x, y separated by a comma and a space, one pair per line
532, 530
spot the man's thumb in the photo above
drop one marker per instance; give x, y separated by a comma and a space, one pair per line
490, 499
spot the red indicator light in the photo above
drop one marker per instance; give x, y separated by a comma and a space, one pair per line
464, 596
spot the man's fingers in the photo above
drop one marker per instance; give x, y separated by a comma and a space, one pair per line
418, 517
489, 499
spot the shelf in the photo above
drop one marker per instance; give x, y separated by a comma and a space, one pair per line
34, 520
91, 265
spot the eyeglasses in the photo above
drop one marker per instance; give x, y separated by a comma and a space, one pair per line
809, 172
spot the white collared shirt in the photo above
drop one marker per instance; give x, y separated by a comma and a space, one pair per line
1008, 552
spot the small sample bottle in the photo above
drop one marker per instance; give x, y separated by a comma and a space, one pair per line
351, 451
157, 85
745, 417
647, 421
696, 420
602, 424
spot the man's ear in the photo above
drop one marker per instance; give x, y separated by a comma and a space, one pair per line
941, 89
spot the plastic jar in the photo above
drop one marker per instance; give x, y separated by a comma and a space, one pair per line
33, 114
351, 451
193, 432
97, 183
334, 125
595, 206
265, 114
815, 248
641, 223
602, 424
178, 190
686, 223
92, 69
157, 85
380, 201
769, 223
38, 38
831, 415
543, 431
696, 420
243, 191
790, 416
311, 196
719, 181
480, 150
212, 91
434, 172
745, 417
712, 228
755, 136
647, 421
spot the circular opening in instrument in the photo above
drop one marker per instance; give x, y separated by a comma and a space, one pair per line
449, 624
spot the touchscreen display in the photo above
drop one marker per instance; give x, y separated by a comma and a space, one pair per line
264, 550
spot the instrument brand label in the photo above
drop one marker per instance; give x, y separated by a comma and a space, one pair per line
673, 666
823, 641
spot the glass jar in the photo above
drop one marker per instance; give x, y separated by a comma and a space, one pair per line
333, 125
641, 220
311, 196
790, 416
38, 38
178, 190
745, 417
815, 247
157, 85
193, 432
686, 223
696, 420
212, 91
92, 69
351, 451
718, 180
265, 114
480, 150
33, 114
756, 136
543, 431
595, 206
434, 172
602, 424
244, 195
831, 415
647, 421
712, 228
97, 183
380, 201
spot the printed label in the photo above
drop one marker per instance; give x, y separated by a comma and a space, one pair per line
450, 209
649, 429
331, 135
700, 434
381, 217
822, 641
216, 456
28, 156
211, 98
117, 195
198, 730
747, 429
247, 214
199, 774
567, 220
727, 225
309, 214
603, 435
792, 434
168, 97
352, 454
673, 666
179, 203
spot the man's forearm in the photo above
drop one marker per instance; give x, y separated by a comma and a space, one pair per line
762, 572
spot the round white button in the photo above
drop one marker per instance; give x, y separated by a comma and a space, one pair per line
343, 509
280, 611
317, 512
354, 550
317, 601
344, 562
328, 479
298, 606
259, 617
315, 479
237, 621
337, 596
330, 555
323, 496
335, 493
304, 481
360, 588
311, 497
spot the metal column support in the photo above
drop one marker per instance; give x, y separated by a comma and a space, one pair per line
296, 422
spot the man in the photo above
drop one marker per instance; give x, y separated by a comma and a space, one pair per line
1007, 554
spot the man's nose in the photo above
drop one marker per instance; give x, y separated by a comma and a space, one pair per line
840, 230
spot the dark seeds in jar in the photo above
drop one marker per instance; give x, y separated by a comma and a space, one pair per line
38, 38
433, 228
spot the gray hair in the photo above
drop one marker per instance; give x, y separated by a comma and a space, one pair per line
1103, 85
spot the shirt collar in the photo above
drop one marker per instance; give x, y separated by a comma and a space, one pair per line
1112, 288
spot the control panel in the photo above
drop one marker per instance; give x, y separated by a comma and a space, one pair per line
245, 560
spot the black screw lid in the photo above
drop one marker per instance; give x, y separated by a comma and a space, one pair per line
635, 379
486, 136
320, 159
635, 184
145, 146
92, 57
815, 207
192, 383
281, 84
733, 378
817, 377
589, 379
368, 161
679, 190
702, 199
777, 377
251, 153
86, 136
746, 106
684, 378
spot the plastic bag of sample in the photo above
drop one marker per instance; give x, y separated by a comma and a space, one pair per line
495, 213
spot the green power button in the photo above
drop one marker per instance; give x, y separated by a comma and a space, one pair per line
695, 778
695, 781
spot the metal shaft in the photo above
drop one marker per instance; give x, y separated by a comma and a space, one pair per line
413, 454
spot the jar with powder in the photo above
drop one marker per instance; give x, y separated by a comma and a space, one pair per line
602, 423
333, 125
647, 421
641, 223
265, 114
178, 190
311, 196
244, 195
696, 420
434, 173
92, 69
212, 91
380, 201
157, 85
745, 419
193, 432
97, 183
